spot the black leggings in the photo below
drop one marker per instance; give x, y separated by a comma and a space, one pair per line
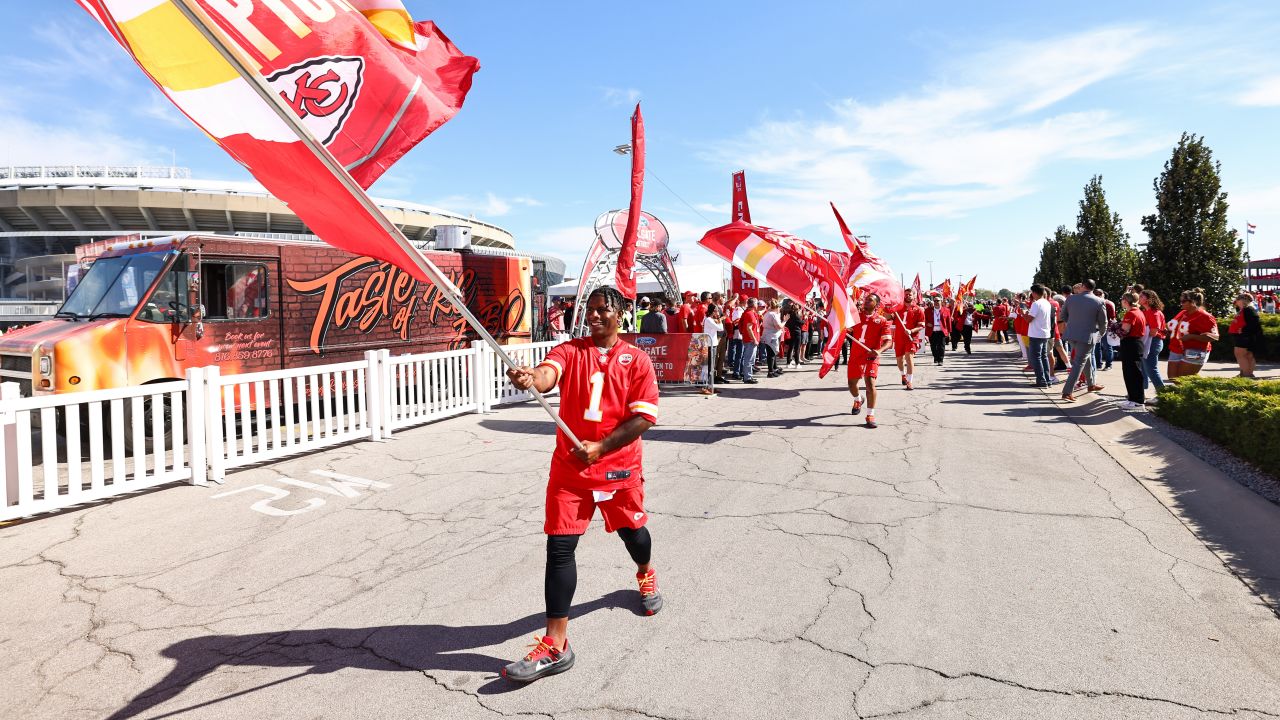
562, 568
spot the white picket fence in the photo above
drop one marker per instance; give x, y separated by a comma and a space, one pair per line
63, 450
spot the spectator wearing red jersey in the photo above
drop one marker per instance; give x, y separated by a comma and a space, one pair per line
871, 336
684, 314
749, 326
1153, 312
1133, 329
908, 336
1192, 333
700, 312
1021, 326
1246, 335
608, 398
1000, 321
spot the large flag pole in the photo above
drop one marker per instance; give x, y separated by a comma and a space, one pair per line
245, 67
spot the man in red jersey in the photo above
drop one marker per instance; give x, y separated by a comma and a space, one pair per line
608, 398
907, 328
871, 336
685, 313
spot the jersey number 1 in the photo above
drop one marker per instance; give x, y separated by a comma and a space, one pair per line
593, 411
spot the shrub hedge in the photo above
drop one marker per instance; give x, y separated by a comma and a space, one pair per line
1241, 415
1224, 349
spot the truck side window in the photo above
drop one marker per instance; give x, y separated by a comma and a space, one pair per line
168, 302
234, 291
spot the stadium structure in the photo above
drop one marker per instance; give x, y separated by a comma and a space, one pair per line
46, 211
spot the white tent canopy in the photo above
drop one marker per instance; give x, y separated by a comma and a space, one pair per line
694, 278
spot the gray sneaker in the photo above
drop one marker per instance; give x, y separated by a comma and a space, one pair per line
544, 659
650, 598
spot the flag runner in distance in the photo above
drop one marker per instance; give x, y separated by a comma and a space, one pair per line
180, 45
791, 265
867, 271
625, 277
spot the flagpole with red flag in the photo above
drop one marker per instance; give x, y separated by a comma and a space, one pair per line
245, 67
625, 276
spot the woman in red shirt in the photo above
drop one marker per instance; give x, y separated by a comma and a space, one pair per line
1191, 334
1133, 328
1153, 312
1000, 322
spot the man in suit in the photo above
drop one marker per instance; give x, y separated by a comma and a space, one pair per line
937, 325
1083, 321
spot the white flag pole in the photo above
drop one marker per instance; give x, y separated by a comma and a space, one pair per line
234, 55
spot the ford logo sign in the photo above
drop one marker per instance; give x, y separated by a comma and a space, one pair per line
646, 341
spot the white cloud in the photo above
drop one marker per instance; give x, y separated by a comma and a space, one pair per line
1263, 93
29, 143
491, 206
978, 139
621, 96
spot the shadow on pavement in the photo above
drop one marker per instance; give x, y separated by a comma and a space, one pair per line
755, 392
394, 648
785, 423
659, 434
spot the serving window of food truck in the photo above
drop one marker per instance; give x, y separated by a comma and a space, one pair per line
235, 291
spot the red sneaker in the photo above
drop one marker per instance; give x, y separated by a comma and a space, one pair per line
650, 598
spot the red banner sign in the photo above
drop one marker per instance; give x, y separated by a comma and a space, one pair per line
677, 357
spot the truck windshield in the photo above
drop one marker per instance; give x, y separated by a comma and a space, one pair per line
113, 286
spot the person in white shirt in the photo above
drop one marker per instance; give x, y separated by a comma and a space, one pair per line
712, 326
1039, 333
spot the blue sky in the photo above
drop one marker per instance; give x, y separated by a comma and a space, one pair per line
961, 133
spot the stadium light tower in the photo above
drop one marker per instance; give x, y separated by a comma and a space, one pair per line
930, 272
623, 149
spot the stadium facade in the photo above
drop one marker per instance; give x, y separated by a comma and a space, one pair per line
46, 211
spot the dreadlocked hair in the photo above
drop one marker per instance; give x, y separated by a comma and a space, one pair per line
613, 299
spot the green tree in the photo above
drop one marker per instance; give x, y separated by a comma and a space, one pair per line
1102, 249
1058, 262
1189, 244
1005, 293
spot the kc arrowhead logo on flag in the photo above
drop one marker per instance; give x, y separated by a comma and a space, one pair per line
321, 91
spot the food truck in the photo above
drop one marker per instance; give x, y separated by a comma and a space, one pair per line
145, 311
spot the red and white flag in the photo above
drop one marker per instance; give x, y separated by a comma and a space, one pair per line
367, 85
625, 277
793, 266
915, 286
741, 211
868, 272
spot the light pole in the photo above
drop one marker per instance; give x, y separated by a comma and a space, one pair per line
930, 273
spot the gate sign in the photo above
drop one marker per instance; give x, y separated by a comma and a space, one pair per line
683, 358
651, 239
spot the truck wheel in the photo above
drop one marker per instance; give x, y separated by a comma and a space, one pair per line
150, 405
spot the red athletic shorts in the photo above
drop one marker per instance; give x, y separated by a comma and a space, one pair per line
570, 510
863, 368
902, 345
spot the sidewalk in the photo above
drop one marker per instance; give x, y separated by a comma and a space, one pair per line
978, 555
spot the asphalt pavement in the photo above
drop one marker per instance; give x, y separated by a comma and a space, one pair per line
984, 553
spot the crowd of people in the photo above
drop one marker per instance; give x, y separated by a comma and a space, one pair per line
1065, 337
1079, 331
